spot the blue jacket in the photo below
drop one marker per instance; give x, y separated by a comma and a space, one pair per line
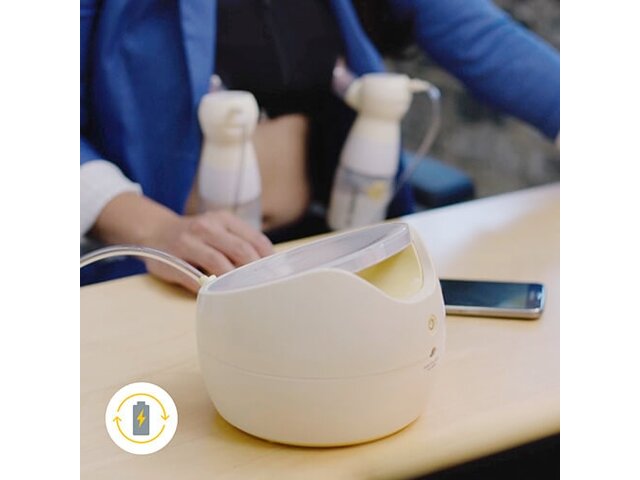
136, 57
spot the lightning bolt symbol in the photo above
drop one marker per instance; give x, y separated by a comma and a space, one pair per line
141, 418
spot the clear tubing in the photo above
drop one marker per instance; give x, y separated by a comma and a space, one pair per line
147, 252
243, 158
433, 93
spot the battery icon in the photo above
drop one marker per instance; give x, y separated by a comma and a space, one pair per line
141, 419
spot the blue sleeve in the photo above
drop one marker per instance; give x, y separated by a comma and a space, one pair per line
498, 60
88, 10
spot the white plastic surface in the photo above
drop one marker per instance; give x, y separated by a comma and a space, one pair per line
363, 183
358, 200
373, 144
228, 175
324, 357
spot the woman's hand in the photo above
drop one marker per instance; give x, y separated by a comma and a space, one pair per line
215, 242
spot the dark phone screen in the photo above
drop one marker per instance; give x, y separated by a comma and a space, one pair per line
491, 294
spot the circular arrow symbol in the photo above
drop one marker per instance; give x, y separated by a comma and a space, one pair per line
164, 415
118, 418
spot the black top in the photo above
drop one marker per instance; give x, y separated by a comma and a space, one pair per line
282, 51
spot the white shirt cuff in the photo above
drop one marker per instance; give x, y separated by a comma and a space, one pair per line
100, 182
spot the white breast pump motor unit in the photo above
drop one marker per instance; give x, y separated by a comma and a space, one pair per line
364, 182
331, 343
228, 175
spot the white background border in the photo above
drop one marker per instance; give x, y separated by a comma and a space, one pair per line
39, 198
39, 202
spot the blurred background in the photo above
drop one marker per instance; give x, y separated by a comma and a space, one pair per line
499, 153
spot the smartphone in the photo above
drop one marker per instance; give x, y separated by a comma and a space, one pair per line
493, 299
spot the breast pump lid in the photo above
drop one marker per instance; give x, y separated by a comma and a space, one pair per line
352, 251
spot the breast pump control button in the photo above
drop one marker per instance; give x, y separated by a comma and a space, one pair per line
432, 324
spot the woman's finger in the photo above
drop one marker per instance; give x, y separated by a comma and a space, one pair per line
257, 239
198, 252
213, 232
239, 251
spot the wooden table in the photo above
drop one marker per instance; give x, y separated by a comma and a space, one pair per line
498, 386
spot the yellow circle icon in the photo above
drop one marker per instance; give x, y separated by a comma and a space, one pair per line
141, 418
